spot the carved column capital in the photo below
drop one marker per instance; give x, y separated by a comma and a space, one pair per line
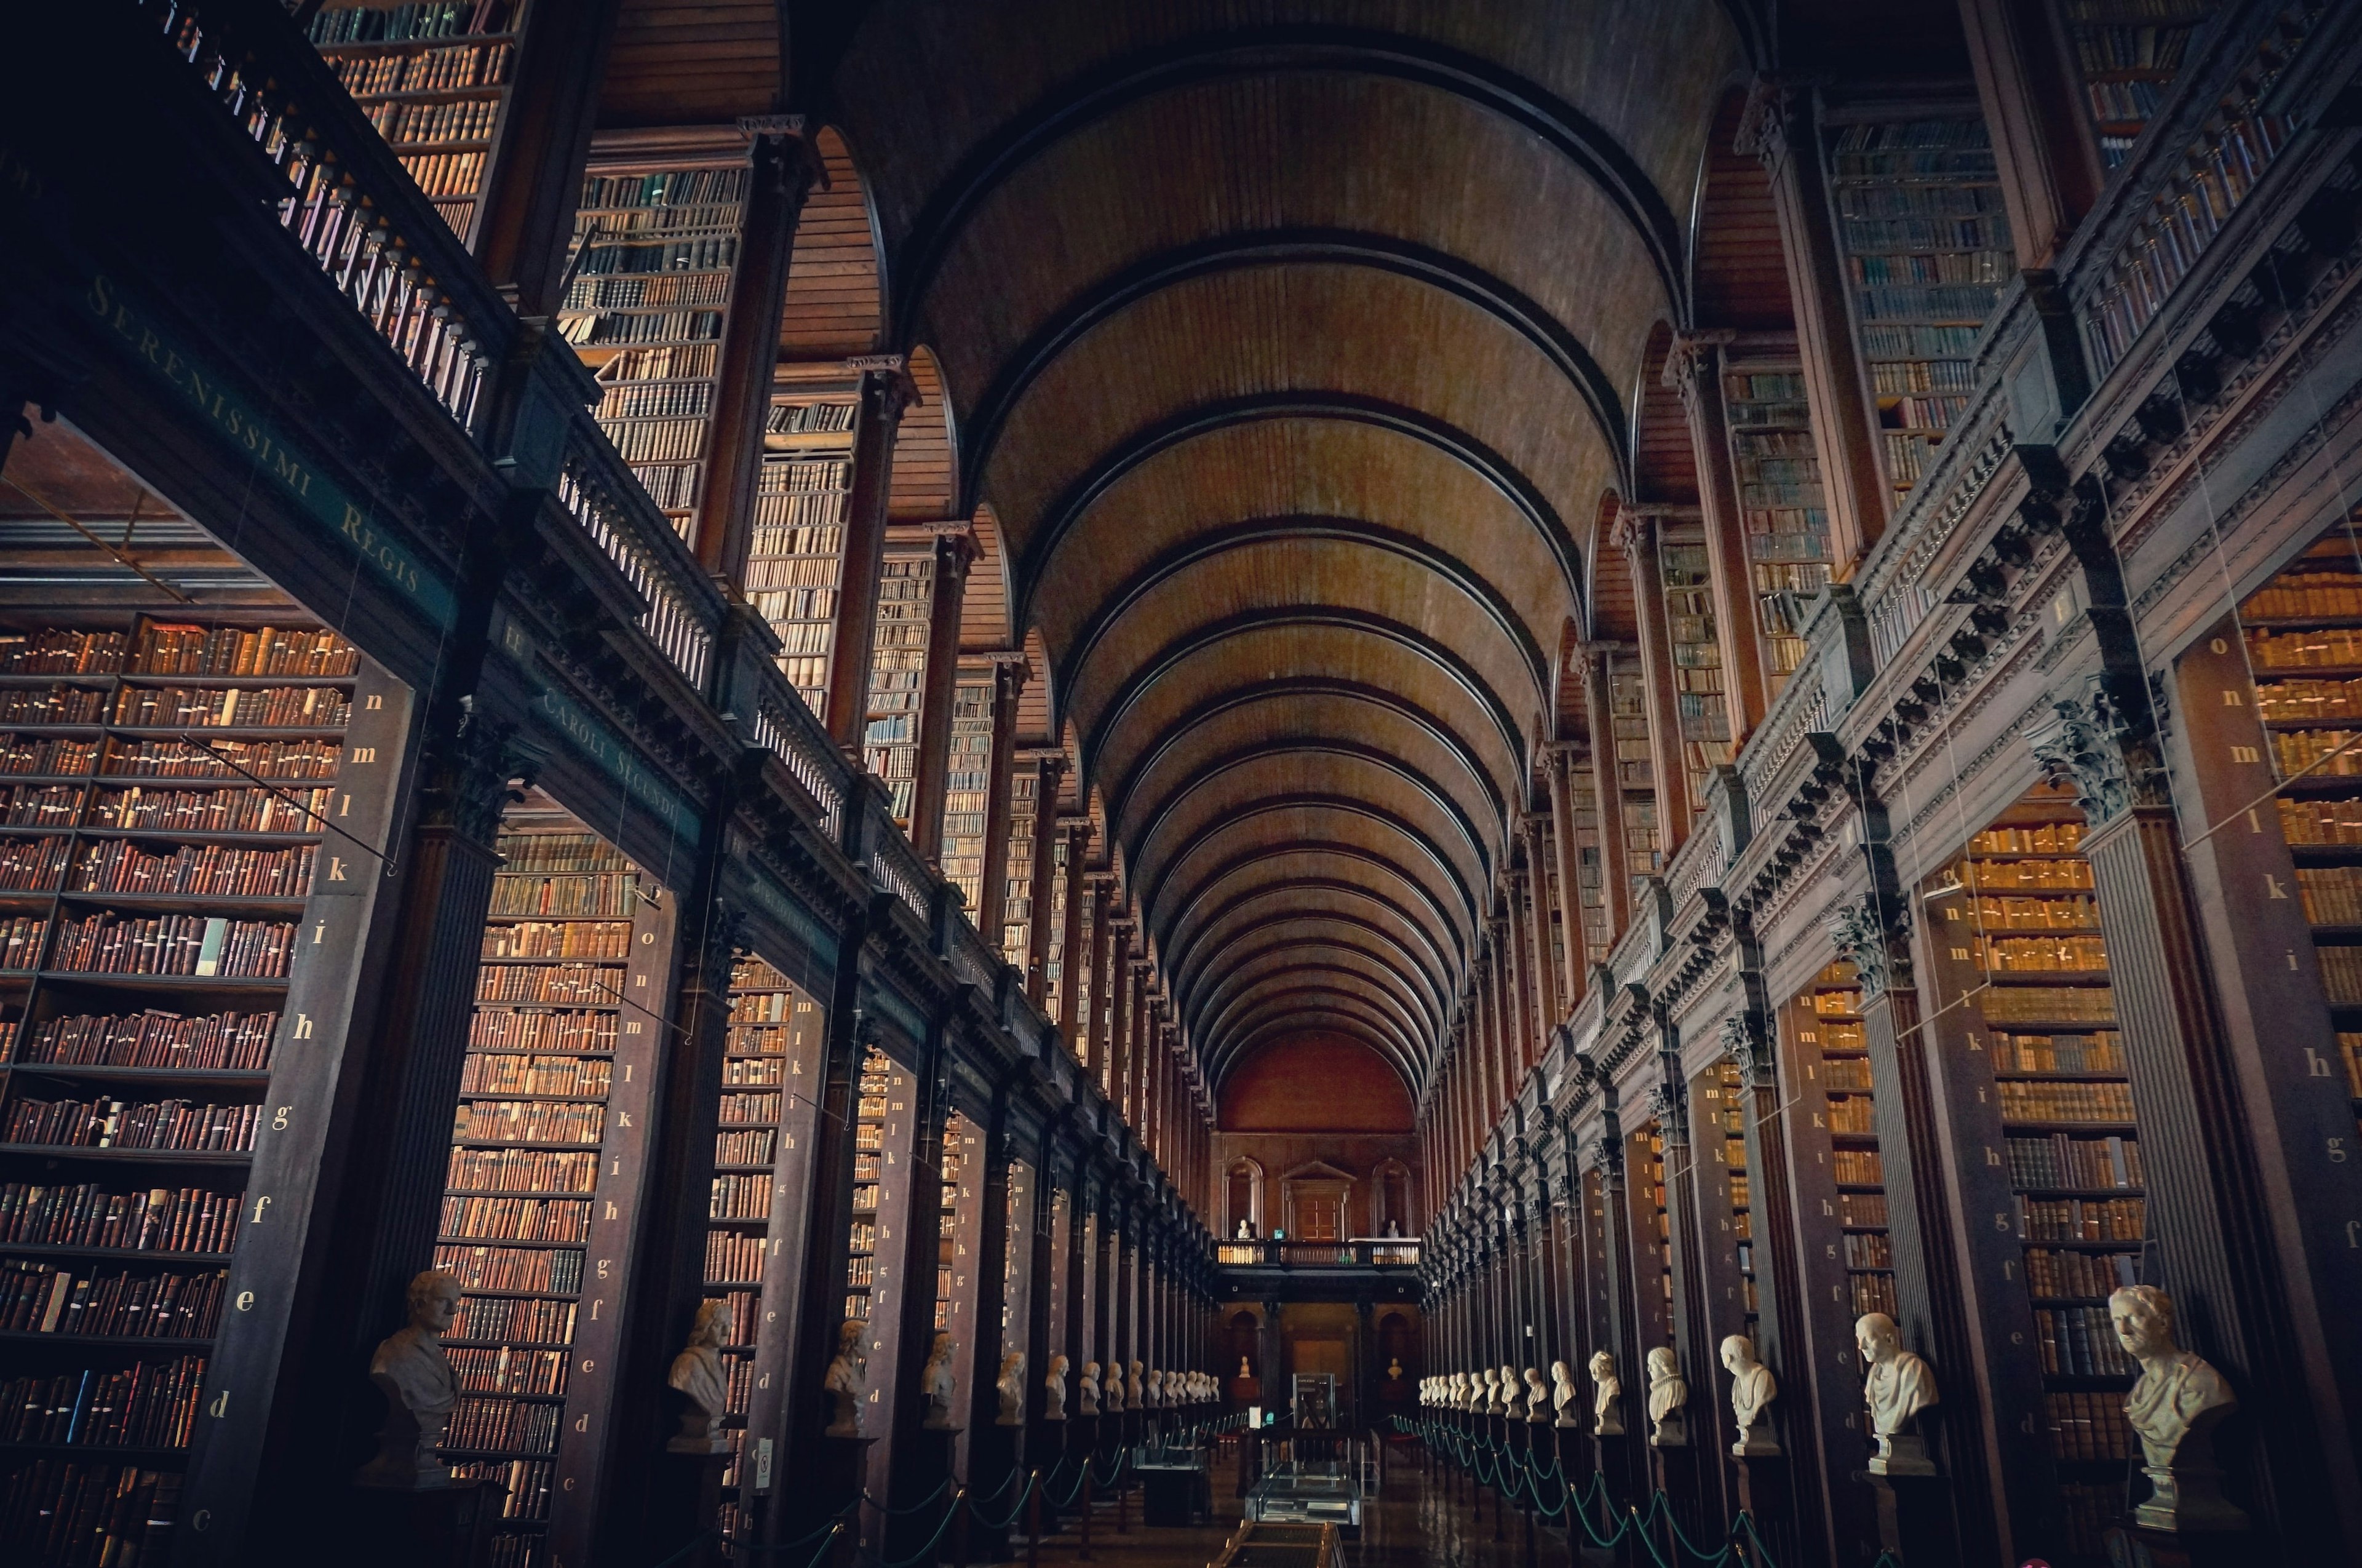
2109, 758
468, 774
1693, 363
1764, 124
1635, 531
1874, 936
1748, 1045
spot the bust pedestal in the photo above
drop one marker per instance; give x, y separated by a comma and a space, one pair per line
993, 1455
686, 1503
2139, 1546
845, 1468
452, 1524
1915, 1518
1764, 1488
1674, 1469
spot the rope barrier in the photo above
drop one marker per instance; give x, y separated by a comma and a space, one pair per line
1018, 1508
695, 1542
926, 1553
925, 1503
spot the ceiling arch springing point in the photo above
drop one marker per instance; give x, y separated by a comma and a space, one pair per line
1503, 476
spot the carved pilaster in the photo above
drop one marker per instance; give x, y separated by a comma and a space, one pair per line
1873, 934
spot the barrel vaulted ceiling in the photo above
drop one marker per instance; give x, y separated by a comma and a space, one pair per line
1293, 347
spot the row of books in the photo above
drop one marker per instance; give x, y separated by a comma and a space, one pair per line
743, 1148
744, 1072
2078, 1274
272, 759
1907, 457
793, 571
87, 1516
2319, 821
733, 1259
654, 400
1868, 1249
529, 1122
2101, 1051
2325, 754
2074, 912
2049, 1004
150, 1403
33, 865
39, 1297
577, 984
1925, 412
666, 188
452, 120
197, 945
826, 418
658, 440
649, 326
1861, 1208
651, 253
42, 805
175, 1124
558, 939
2332, 894
497, 1073
527, 1482
602, 897
482, 1217
1986, 267
514, 1320
740, 1197
803, 522
589, 1032
508, 1369
421, 19
2085, 1425
673, 488
447, 173
503, 1424
120, 865
1852, 1113
2123, 102
791, 539
56, 650
812, 604
2041, 955
2309, 699
55, 754
558, 1270
2062, 1159
52, 705
521, 1170
2080, 1342
2325, 647
1871, 1292
2341, 974
1890, 377
234, 708
166, 648
2083, 1219
1858, 1168
213, 811
2022, 1101
158, 1220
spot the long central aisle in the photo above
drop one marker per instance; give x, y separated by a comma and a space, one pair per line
1414, 1523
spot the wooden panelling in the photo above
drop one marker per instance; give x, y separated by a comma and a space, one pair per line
833, 299
692, 63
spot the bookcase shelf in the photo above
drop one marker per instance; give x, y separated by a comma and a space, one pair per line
1780, 498
898, 673
1733, 1104
1835, 1059
2127, 53
1698, 675
1927, 243
797, 556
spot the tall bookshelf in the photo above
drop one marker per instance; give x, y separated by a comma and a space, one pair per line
968, 786
1835, 1057
544, 1168
2303, 633
797, 559
1019, 909
2071, 1143
165, 788
1590, 873
1780, 499
434, 78
868, 1175
1628, 704
1698, 676
1731, 1105
2127, 53
898, 676
1926, 253
1652, 1227
655, 240
959, 1143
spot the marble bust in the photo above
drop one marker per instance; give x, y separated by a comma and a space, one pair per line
1245, 1234
1563, 1393
1135, 1387
1456, 1391
1054, 1386
2173, 1408
1488, 1401
1394, 1369
1607, 1397
704, 1384
1155, 1389
1669, 1400
1897, 1386
1242, 1368
848, 1377
1752, 1389
1537, 1405
1009, 1387
1510, 1394
940, 1384
1087, 1394
411, 1370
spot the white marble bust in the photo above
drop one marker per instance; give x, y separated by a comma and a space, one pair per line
1053, 1387
1009, 1387
940, 1382
1563, 1393
1897, 1386
704, 1384
1513, 1394
1135, 1387
848, 1377
1607, 1397
412, 1371
1752, 1389
1669, 1400
2173, 1408
1088, 1391
1537, 1405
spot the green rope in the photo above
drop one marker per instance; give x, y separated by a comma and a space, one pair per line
927, 1552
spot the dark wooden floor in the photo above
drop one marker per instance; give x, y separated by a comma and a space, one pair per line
1414, 1524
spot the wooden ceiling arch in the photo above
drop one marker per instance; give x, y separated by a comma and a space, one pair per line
1338, 858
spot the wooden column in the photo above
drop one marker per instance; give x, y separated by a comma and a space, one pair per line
1636, 535
1608, 791
1009, 676
1535, 828
1931, 1298
956, 551
1778, 128
524, 227
1119, 1059
1566, 844
1694, 369
886, 392
2048, 159
1692, 1327
1048, 776
1074, 947
783, 169
1093, 1046
1621, 1289
1525, 1013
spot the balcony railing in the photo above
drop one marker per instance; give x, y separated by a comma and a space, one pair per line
1362, 1252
